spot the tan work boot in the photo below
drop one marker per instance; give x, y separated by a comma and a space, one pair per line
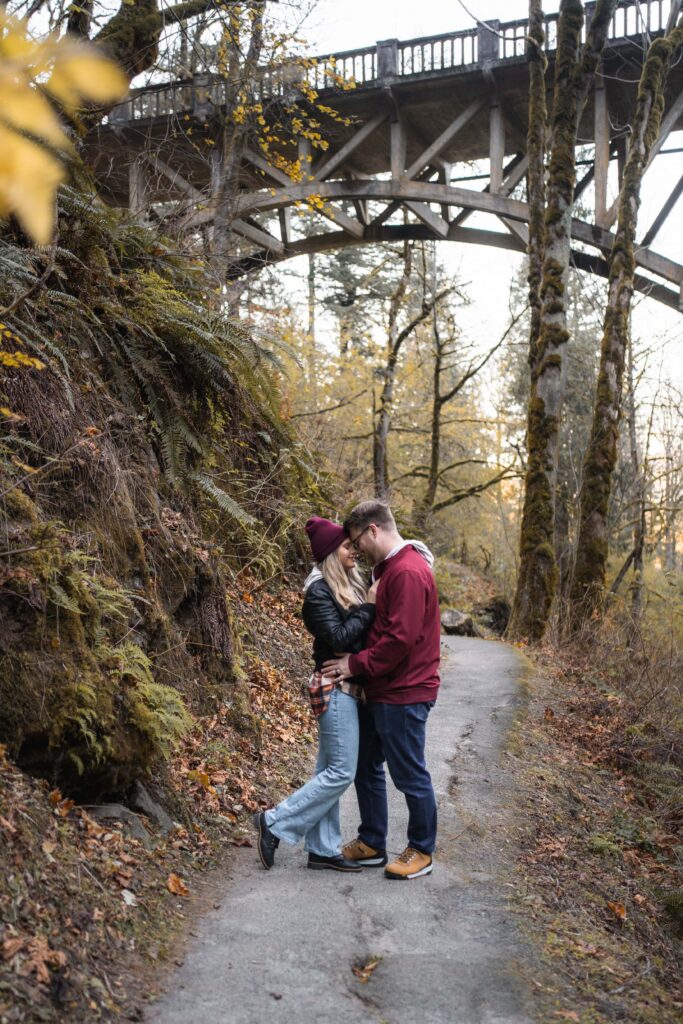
364, 855
409, 864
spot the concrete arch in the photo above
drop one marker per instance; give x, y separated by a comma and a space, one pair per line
418, 197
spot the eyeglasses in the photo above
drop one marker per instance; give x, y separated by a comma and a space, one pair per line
354, 543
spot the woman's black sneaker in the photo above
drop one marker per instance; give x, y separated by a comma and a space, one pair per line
267, 841
338, 863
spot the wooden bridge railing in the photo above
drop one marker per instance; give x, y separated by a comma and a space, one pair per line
389, 59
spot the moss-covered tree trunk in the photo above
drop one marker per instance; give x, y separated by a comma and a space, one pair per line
640, 488
574, 72
536, 148
241, 78
588, 584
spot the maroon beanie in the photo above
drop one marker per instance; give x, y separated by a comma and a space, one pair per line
325, 537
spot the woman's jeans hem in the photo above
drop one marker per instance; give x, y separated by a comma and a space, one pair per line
312, 812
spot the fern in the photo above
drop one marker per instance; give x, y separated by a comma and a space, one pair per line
224, 501
59, 596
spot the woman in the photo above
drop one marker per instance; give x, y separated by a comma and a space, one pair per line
338, 612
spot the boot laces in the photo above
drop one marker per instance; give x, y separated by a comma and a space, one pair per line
407, 855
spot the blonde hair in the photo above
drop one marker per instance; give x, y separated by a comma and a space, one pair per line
348, 588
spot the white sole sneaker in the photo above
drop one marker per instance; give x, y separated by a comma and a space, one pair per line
426, 870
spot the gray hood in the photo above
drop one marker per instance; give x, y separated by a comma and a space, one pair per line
313, 577
423, 550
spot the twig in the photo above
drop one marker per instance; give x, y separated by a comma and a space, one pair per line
94, 877
20, 299
328, 408
481, 24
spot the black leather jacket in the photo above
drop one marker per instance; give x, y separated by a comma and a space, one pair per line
336, 630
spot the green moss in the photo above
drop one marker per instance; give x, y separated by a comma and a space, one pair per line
131, 37
604, 845
83, 705
19, 506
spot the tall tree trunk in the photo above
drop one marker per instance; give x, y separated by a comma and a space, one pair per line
536, 144
310, 332
240, 80
426, 502
588, 587
638, 470
380, 456
538, 570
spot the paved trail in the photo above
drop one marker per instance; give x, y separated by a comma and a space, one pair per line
282, 947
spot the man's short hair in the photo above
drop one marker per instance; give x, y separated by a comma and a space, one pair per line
369, 512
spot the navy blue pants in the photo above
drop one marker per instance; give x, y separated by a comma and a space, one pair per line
394, 733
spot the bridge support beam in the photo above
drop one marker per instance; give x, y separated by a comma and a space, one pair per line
496, 144
602, 152
137, 186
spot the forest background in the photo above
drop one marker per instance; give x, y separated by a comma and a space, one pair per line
166, 437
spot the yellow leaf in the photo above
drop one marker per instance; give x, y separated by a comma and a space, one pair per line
15, 417
29, 176
23, 466
84, 75
196, 775
26, 110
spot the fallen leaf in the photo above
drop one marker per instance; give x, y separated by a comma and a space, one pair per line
176, 886
639, 899
48, 847
11, 947
618, 909
129, 898
55, 797
365, 973
197, 775
7, 824
567, 1015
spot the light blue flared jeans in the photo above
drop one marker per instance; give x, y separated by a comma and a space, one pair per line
312, 813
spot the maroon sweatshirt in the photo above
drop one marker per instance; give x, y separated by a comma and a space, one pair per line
401, 660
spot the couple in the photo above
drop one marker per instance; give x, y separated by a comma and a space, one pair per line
371, 701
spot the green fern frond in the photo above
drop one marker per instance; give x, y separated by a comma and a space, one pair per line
59, 596
224, 501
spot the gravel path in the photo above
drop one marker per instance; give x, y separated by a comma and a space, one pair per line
282, 947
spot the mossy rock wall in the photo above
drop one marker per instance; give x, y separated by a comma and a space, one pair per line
113, 612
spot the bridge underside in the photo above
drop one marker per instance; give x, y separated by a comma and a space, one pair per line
425, 154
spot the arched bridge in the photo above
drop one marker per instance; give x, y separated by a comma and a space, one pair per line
437, 138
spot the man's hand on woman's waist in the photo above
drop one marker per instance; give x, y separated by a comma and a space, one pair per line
337, 668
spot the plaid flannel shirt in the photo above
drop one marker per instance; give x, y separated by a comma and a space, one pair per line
320, 690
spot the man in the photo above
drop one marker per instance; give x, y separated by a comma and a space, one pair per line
401, 668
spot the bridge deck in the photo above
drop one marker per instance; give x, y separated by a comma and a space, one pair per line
431, 80
421, 111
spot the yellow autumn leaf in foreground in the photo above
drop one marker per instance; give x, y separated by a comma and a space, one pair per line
83, 73
31, 134
29, 176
